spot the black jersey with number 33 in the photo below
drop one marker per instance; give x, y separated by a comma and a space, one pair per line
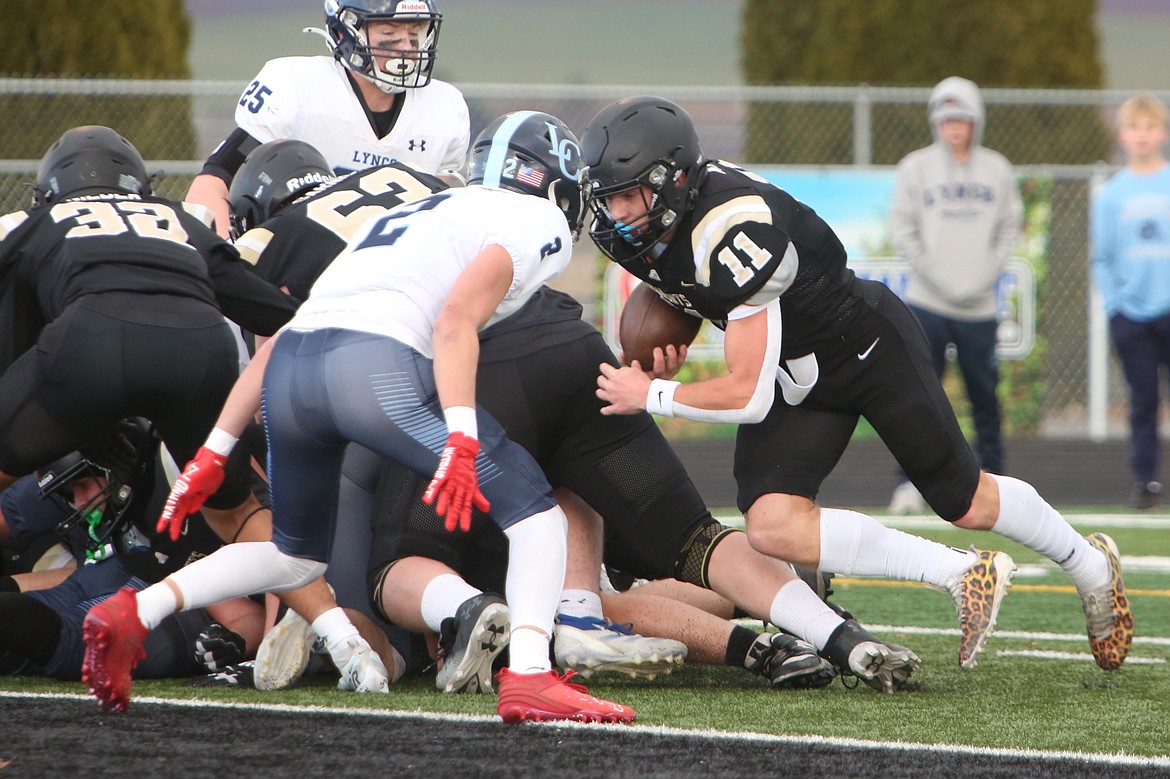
55, 254
748, 241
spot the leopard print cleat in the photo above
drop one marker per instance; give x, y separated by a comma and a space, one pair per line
1107, 611
978, 593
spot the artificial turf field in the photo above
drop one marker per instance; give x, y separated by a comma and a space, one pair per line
1035, 705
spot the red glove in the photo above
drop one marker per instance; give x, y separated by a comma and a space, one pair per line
456, 484
198, 482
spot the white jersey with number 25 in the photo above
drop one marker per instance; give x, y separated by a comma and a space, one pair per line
311, 99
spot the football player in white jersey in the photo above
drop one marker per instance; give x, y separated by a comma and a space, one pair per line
384, 353
372, 102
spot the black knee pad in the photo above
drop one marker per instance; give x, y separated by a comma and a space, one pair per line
695, 556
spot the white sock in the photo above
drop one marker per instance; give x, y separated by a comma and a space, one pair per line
856, 544
334, 626
531, 647
156, 603
1027, 519
442, 597
580, 603
797, 609
232, 570
537, 550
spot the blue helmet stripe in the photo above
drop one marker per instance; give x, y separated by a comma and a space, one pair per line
499, 149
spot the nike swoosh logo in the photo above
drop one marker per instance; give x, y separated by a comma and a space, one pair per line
660, 398
863, 355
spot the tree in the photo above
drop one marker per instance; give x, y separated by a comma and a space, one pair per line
84, 39
996, 43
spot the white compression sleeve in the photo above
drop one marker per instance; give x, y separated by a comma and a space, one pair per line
764, 393
242, 569
537, 552
797, 609
856, 544
1027, 519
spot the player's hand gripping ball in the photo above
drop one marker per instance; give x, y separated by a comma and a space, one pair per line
648, 321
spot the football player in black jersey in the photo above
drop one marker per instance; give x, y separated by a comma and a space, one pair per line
103, 504
112, 305
544, 353
809, 349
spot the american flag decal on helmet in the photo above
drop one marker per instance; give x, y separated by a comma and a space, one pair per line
530, 175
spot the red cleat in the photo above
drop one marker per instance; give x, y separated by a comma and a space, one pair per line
546, 696
113, 646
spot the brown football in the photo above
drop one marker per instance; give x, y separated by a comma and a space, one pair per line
648, 321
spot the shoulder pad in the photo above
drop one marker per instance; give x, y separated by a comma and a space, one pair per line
10, 222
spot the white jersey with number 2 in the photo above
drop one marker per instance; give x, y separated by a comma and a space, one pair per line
393, 278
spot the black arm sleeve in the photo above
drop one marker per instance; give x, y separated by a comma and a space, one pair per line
229, 156
245, 298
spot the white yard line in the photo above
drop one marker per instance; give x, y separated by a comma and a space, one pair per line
931, 522
1026, 635
1083, 656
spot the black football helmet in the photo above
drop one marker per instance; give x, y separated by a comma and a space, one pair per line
87, 160
635, 141
407, 68
532, 153
123, 459
273, 175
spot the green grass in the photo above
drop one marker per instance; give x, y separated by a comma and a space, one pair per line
1007, 701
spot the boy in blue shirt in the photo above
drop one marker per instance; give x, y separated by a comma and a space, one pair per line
1130, 230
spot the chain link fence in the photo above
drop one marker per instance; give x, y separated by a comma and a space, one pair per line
1060, 141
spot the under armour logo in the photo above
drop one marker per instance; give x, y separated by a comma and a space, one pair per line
422, 144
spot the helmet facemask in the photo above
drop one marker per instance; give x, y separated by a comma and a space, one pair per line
410, 52
100, 516
634, 238
641, 141
121, 461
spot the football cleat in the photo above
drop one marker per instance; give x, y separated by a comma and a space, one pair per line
789, 663
588, 645
283, 655
113, 646
854, 651
365, 671
469, 643
1107, 611
978, 593
545, 696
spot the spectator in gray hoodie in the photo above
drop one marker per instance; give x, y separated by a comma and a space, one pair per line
956, 216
